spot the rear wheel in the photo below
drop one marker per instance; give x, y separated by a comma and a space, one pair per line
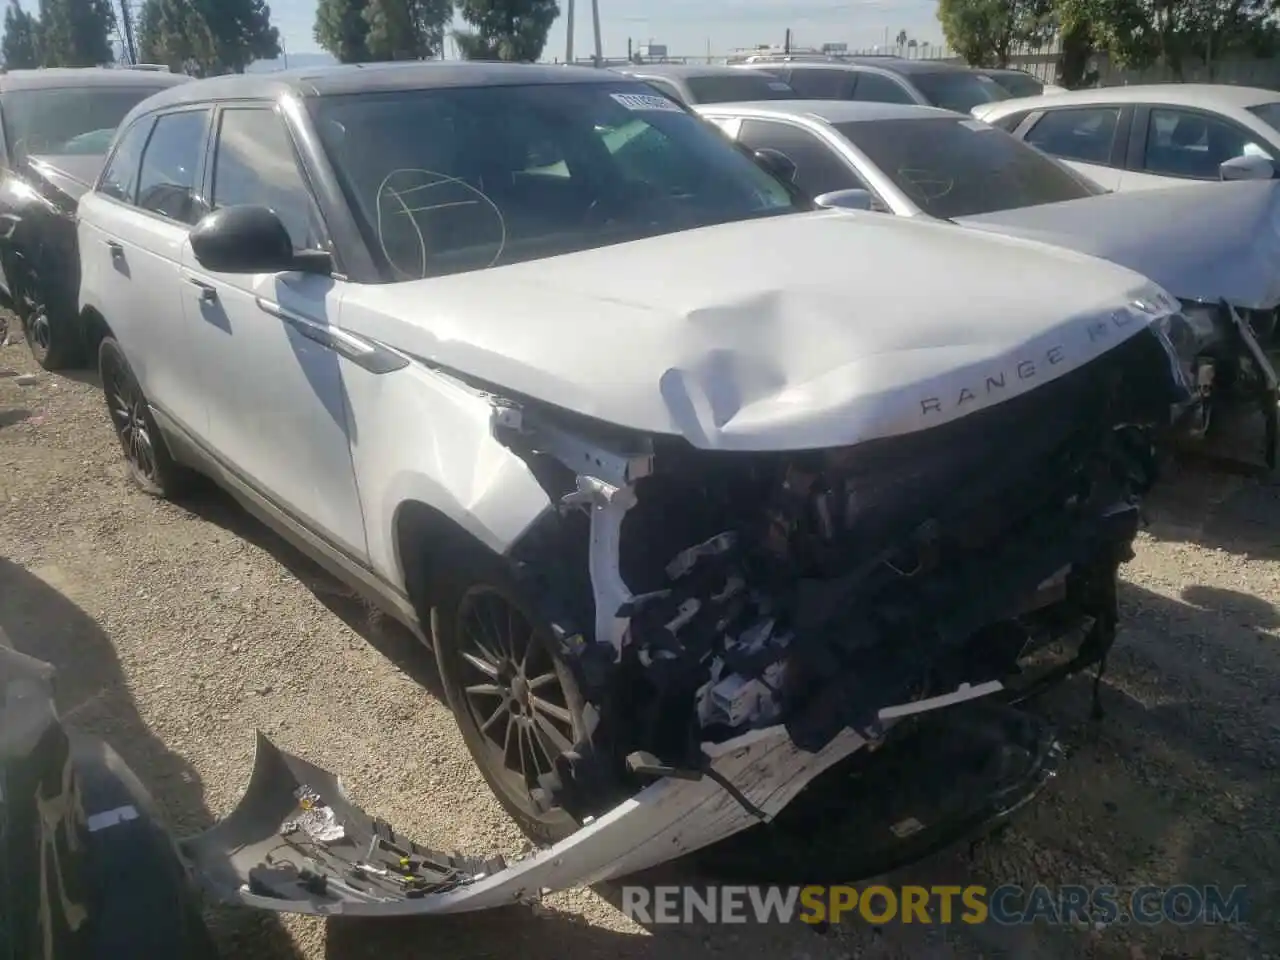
150, 464
516, 702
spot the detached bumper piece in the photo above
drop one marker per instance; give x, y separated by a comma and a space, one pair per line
953, 776
296, 844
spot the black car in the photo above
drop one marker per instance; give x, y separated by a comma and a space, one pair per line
55, 127
930, 83
87, 869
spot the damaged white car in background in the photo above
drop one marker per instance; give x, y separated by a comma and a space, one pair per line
1214, 246
697, 491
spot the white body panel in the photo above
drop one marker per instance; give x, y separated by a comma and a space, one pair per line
134, 267
869, 327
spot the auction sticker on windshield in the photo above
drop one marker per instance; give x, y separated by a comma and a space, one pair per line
642, 101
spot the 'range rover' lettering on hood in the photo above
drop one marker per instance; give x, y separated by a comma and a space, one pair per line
804, 331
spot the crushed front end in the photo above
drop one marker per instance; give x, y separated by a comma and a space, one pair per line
702, 595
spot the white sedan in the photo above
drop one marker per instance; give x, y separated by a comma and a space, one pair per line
1159, 135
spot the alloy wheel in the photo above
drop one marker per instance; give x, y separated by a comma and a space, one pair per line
128, 415
513, 687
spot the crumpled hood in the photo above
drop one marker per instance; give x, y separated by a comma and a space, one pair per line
1202, 242
796, 332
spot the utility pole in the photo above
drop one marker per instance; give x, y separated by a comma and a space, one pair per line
126, 31
568, 34
786, 43
595, 22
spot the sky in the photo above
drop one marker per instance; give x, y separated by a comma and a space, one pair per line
686, 26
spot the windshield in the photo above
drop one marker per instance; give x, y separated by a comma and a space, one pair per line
455, 179
1018, 84
752, 85
950, 167
1268, 113
67, 120
957, 90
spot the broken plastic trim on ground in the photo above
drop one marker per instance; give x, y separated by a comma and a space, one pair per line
954, 775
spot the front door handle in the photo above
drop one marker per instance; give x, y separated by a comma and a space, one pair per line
116, 250
207, 293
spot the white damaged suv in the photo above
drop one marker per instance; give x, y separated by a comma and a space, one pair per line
695, 488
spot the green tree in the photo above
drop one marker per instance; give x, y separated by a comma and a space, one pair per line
505, 29
341, 28
19, 47
76, 33
986, 32
207, 37
406, 29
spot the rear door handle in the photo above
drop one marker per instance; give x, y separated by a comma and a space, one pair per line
117, 251
207, 292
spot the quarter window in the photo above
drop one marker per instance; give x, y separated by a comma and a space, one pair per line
167, 183
819, 84
255, 164
1182, 143
880, 89
120, 178
1085, 133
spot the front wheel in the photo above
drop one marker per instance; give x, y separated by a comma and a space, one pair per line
150, 464
517, 704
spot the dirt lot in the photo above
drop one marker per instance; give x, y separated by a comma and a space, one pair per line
178, 631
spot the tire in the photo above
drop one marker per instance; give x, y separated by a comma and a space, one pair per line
147, 455
534, 705
54, 335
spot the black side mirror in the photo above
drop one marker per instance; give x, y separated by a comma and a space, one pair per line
250, 239
776, 163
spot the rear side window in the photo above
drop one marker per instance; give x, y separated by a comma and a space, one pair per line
748, 85
821, 84
1081, 133
167, 183
880, 89
120, 178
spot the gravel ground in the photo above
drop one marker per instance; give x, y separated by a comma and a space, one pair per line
178, 631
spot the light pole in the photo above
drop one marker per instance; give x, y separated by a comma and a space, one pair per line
568, 34
595, 20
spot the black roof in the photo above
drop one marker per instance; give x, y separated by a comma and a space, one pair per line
65, 77
374, 77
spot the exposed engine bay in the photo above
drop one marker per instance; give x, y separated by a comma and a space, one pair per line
699, 595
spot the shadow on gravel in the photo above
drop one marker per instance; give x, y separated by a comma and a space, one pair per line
385, 634
92, 696
13, 415
1194, 503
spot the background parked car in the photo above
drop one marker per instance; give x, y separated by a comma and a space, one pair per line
1160, 135
919, 161
55, 127
886, 80
708, 83
1020, 83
